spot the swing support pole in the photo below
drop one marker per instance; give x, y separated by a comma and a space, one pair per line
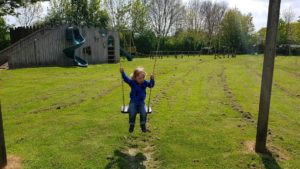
267, 76
3, 157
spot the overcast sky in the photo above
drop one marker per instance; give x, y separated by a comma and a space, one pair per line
258, 8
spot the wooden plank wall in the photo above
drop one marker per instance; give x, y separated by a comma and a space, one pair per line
98, 45
45, 48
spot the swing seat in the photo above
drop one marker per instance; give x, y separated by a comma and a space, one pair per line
124, 109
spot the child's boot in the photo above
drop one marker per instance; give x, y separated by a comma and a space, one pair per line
143, 127
131, 128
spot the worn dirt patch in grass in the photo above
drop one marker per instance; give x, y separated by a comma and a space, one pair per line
13, 162
59, 106
232, 100
275, 152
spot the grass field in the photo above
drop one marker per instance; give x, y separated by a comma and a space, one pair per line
205, 114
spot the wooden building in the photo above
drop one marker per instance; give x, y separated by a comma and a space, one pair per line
45, 47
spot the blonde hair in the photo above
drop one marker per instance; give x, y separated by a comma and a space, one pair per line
137, 71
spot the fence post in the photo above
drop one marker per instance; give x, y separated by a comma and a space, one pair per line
3, 158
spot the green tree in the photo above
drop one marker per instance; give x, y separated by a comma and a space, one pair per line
231, 29
29, 14
296, 32
187, 40
261, 40
282, 36
146, 41
7, 7
288, 16
61, 11
139, 14
237, 31
119, 13
247, 33
96, 16
213, 13
4, 35
78, 12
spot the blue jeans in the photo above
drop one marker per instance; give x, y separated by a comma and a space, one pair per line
137, 108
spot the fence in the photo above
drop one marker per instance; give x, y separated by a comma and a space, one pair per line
18, 33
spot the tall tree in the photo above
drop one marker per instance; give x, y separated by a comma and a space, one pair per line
58, 12
237, 30
96, 16
29, 13
194, 23
79, 12
119, 13
7, 7
213, 13
261, 39
296, 32
288, 16
194, 18
231, 29
163, 14
247, 33
3, 34
282, 32
139, 16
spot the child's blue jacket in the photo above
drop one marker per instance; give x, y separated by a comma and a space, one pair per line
138, 91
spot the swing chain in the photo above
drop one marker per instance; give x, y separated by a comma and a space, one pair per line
155, 59
122, 82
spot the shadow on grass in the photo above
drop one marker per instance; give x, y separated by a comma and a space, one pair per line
269, 161
125, 161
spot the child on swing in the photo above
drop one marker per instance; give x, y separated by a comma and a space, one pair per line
138, 86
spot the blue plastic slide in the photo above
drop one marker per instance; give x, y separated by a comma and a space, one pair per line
126, 54
76, 39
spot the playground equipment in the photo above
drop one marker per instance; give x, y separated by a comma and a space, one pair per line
128, 51
76, 39
124, 108
126, 54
